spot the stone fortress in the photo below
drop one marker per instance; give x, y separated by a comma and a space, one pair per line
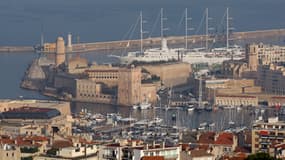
71, 77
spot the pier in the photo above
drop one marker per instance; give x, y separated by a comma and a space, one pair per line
175, 40
155, 41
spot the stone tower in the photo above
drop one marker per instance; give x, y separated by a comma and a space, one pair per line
129, 86
60, 51
252, 56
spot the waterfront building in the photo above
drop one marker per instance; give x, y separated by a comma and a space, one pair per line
107, 74
76, 65
272, 79
221, 91
267, 136
49, 47
236, 100
90, 91
129, 86
171, 74
256, 55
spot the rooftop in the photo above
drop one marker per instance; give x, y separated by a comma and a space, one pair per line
30, 113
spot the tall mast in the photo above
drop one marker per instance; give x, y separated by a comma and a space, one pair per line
162, 19
227, 28
42, 35
141, 31
207, 27
187, 28
161, 23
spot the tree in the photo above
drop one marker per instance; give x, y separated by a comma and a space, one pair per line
260, 156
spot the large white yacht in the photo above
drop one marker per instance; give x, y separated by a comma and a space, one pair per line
214, 56
152, 55
192, 56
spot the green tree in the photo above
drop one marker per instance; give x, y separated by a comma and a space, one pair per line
260, 156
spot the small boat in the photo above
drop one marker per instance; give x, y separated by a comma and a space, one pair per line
145, 105
231, 122
156, 120
135, 106
191, 108
238, 108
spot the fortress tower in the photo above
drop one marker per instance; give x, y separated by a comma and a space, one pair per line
60, 51
129, 86
252, 56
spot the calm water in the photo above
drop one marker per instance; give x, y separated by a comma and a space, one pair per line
97, 20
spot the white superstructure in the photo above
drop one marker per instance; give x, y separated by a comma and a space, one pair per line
152, 55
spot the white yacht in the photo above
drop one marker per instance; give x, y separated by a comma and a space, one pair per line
214, 56
152, 55
190, 108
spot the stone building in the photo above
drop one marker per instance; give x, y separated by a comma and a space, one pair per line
129, 86
90, 91
236, 100
106, 74
272, 79
76, 65
256, 55
34, 117
171, 74
212, 88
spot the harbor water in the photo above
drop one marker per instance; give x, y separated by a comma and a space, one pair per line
97, 20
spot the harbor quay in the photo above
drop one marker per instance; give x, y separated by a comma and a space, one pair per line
149, 42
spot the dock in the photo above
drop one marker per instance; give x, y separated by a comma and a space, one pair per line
155, 41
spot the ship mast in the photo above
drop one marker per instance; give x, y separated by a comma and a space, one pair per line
187, 28
42, 37
207, 27
161, 23
141, 31
162, 19
227, 28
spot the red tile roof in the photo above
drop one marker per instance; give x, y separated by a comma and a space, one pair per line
225, 138
207, 138
61, 144
153, 158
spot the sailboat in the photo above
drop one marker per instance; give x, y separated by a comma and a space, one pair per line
164, 53
215, 55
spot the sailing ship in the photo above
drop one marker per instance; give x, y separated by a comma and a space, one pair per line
192, 56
